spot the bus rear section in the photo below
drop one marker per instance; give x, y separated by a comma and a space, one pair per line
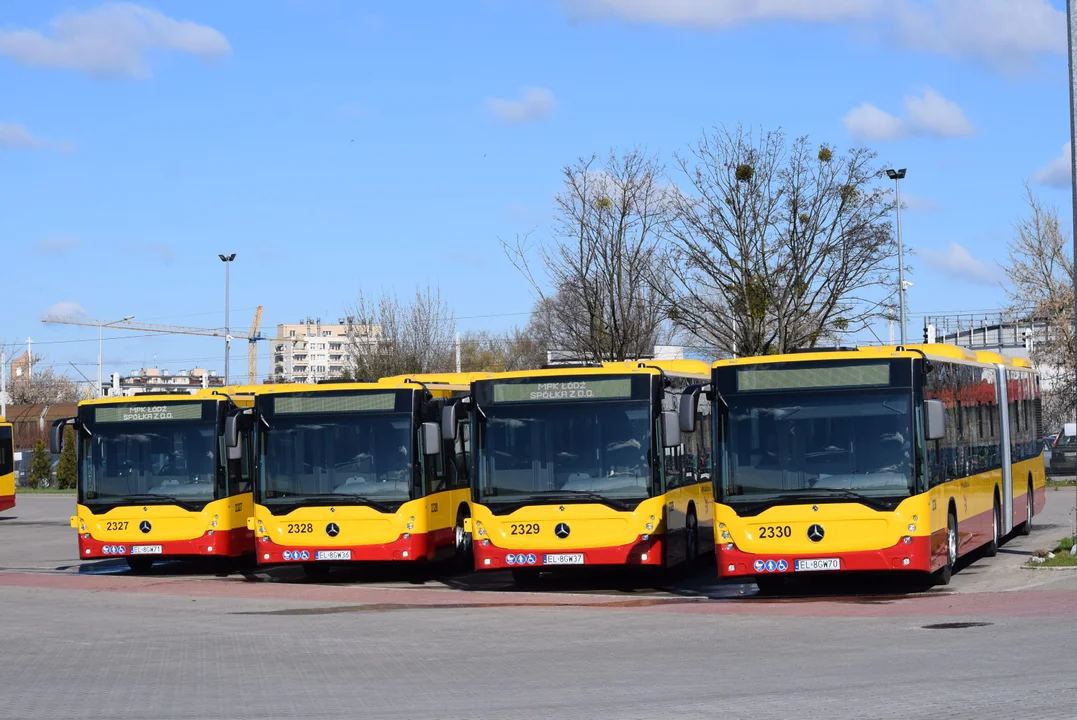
361, 472
587, 466
156, 480
876, 459
7, 466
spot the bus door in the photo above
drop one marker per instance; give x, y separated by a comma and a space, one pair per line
1007, 468
435, 490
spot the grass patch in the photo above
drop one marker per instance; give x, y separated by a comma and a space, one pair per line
43, 491
1059, 557
1061, 482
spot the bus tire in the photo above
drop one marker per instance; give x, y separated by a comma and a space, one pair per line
991, 548
140, 565
525, 577
943, 574
691, 541
462, 541
1025, 528
316, 571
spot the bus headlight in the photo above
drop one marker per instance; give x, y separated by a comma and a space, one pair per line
650, 527
409, 526
730, 546
481, 529
905, 561
407, 536
721, 526
82, 527
907, 540
210, 533
486, 542
726, 535
213, 523
652, 518
912, 527
915, 518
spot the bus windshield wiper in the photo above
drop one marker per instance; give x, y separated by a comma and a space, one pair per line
574, 493
144, 497
841, 492
331, 499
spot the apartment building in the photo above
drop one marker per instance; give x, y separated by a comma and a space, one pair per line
318, 352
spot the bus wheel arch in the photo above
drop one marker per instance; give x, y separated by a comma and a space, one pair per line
942, 575
462, 540
1025, 528
991, 548
691, 537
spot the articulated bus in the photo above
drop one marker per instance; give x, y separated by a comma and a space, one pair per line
156, 480
588, 465
362, 471
7, 466
872, 459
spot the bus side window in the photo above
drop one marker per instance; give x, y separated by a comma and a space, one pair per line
704, 451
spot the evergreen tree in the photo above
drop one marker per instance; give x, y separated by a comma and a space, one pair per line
40, 466
66, 470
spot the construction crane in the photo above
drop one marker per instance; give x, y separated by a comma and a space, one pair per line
252, 338
252, 347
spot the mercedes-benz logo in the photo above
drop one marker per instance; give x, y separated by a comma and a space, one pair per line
562, 530
145, 526
816, 533
332, 530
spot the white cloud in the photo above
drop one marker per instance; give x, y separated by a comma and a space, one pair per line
1009, 33
16, 136
536, 104
918, 204
931, 115
111, 39
69, 308
960, 266
1056, 173
58, 244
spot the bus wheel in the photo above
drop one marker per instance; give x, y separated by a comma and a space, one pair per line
991, 549
316, 571
525, 577
140, 565
943, 574
691, 541
462, 540
770, 584
1026, 526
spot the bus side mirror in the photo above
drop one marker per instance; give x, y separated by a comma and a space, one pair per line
448, 422
56, 434
934, 420
431, 437
671, 429
689, 407
231, 431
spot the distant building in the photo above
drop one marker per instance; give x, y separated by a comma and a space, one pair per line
20, 366
319, 351
1015, 338
157, 380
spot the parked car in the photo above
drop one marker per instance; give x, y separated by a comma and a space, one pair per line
1063, 455
1048, 446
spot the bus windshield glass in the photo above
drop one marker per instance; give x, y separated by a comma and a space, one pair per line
542, 451
791, 446
349, 458
150, 453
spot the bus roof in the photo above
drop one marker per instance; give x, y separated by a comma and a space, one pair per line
681, 368
463, 379
932, 351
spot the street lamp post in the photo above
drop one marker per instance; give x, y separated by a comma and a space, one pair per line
897, 176
100, 340
227, 260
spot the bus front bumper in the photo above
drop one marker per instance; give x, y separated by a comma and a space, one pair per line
915, 555
407, 547
647, 552
230, 543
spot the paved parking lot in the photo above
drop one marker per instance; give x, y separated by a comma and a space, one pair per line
91, 641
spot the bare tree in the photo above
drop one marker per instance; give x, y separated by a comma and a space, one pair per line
1041, 271
44, 387
778, 245
596, 297
517, 349
388, 337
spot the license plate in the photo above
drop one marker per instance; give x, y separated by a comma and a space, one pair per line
333, 555
146, 550
818, 564
563, 559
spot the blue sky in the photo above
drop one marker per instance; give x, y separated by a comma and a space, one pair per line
335, 145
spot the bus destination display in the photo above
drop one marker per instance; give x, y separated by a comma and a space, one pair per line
358, 402
142, 413
619, 388
789, 378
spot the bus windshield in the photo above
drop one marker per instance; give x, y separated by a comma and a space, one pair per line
789, 446
348, 458
543, 451
150, 461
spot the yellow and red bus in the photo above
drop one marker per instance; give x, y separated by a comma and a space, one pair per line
362, 471
587, 465
872, 459
7, 466
156, 479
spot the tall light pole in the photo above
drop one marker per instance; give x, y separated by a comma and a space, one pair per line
897, 176
227, 260
1071, 14
100, 340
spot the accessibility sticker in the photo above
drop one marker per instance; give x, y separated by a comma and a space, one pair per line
782, 566
760, 566
510, 559
771, 566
